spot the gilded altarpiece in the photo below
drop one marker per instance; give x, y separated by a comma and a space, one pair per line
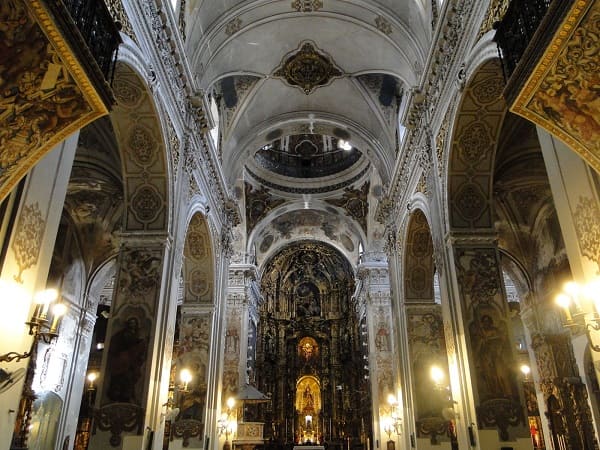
310, 355
565, 395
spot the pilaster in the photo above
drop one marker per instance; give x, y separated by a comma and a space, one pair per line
29, 245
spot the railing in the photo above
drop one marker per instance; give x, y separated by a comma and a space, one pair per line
517, 28
93, 20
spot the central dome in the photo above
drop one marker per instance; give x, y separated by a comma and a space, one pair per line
307, 156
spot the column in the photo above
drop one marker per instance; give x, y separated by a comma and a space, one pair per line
488, 370
383, 356
129, 389
29, 243
575, 189
400, 340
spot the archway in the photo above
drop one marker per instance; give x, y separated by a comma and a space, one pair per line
192, 350
426, 342
308, 400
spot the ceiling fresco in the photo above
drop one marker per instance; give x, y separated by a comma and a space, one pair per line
302, 224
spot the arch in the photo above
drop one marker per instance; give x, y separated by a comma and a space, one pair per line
198, 265
419, 264
303, 274
475, 134
380, 155
268, 233
137, 126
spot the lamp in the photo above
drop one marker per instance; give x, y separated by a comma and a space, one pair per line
186, 377
38, 325
438, 376
42, 330
393, 422
578, 301
224, 423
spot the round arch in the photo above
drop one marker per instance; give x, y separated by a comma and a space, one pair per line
138, 130
477, 125
198, 264
419, 266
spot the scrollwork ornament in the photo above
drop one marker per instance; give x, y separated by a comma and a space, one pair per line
226, 243
588, 228
391, 243
307, 68
502, 413
28, 239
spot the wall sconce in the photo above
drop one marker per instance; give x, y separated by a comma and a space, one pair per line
91, 377
525, 370
224, 424
437, 376
581, 299
39, 326
42, 330
393, 422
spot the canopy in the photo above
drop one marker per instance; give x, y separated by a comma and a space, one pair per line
249, 394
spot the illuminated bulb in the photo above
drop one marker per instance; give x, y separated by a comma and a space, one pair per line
344, 145
525, 370
46, 296
43, 300
391, 399
564, 301
58, 311
571, 288
92, 376
437, 375
230, 402
186, 377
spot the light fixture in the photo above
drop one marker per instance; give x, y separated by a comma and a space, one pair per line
525, 370
225, 425
344, 145
186, 377
92, 376
581, 301
42, 330
437, 375
393, 422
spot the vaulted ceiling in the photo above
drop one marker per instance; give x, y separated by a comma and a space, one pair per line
291, 83
239, 49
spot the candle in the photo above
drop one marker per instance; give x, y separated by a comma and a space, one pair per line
43, 299
58, 311
565, 302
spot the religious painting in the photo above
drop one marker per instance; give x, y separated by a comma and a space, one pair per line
127, 354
